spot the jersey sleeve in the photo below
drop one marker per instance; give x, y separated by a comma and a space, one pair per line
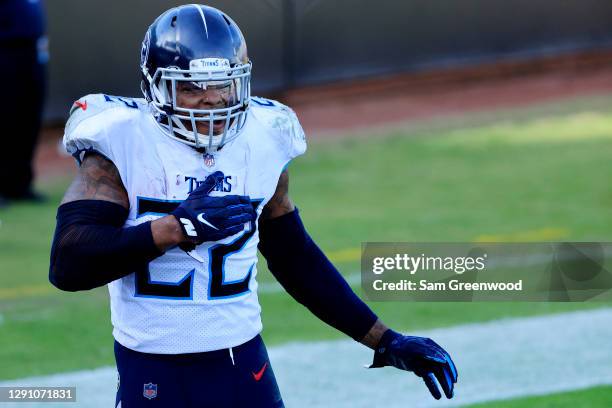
292, 134
284, 126
95, 125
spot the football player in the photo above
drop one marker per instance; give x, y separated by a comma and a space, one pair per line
174, 195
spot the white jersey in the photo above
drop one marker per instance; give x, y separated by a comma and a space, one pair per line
177, 303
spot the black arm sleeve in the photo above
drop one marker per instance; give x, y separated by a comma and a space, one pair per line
309, 277
90, 248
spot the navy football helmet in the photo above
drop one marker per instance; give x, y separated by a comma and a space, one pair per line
196, 75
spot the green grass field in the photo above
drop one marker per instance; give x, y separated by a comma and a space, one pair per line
541, 178
598, 397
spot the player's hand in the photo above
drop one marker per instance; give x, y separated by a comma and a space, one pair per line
204, 218
420, 355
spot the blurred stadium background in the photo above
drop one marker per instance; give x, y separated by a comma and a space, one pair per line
428, 121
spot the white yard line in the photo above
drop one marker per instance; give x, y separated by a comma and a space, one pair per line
503, 359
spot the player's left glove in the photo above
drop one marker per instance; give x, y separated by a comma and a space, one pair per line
420, 355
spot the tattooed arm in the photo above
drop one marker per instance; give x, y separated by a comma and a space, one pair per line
280, 203
98, 179
91, 247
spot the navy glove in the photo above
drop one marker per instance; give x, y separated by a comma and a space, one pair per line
204, 218
420, 355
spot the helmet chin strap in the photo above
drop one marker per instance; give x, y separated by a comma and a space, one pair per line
199, 140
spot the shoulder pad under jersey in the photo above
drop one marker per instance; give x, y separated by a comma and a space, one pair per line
96, 122
283, 125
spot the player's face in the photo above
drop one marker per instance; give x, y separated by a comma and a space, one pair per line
190, 95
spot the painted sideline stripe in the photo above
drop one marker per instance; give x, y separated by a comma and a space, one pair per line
353, 279
274, 287
339, 256
503, 359
542, 234
26, 291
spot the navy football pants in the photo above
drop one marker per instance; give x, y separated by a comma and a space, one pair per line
199, 380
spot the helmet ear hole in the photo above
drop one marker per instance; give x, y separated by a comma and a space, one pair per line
173, 21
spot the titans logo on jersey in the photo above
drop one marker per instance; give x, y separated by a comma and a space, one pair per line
206, 299
225, 186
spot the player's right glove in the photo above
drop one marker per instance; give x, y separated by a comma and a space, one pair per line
204, 218
420, 355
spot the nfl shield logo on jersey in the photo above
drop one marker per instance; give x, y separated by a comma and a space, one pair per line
209, 160
150, 391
